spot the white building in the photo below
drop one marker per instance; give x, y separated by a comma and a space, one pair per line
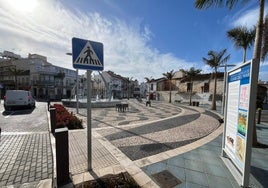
36, 74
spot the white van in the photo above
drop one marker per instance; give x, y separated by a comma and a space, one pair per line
18, 98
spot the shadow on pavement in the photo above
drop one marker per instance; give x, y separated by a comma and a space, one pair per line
18, 111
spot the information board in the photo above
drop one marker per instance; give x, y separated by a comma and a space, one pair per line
239, 120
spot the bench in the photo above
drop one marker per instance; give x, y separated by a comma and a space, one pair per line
121, 107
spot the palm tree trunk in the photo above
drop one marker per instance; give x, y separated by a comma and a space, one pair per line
191, 91
257, 57
213, 105
169, 91
244, 55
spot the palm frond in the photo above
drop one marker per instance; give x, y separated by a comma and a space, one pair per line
204, 4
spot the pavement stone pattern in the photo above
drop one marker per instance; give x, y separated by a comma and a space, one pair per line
25, 148
25, 158
200, 168
143, 140
139, 138
101, 157
137, 113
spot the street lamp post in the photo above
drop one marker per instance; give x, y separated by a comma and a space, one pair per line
224, 86
97, 82
77, 87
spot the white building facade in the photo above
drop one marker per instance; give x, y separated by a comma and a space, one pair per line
36, 74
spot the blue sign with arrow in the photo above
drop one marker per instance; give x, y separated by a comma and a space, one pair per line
87, 54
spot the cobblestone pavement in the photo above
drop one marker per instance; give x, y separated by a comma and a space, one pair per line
139, 132
25, 149
137, 113
143, 140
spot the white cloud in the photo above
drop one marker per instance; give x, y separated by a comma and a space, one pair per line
248, 18
47, 30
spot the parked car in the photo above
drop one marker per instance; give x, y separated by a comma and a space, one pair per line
18, 98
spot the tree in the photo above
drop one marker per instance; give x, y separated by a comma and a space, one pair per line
129, 80
149, 80
190, 74
201, 4
61, 76
215, 59
169, 76
15, 72
242, 38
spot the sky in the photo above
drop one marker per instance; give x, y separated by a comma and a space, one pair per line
141, 38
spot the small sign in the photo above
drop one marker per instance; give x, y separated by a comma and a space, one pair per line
87, 54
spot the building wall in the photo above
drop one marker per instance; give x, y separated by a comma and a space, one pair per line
41, 79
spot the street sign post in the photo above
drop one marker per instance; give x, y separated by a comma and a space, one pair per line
88, 55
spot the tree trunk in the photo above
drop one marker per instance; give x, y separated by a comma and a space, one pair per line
191, 91
244, 55
16, 81
257, 57
170, 91
213, 105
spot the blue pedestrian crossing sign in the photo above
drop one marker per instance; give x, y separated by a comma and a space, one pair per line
87, 54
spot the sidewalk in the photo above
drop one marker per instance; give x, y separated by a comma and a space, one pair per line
195, 165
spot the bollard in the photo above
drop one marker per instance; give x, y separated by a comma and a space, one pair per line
259, 116
48, 105
53, 119
62, 156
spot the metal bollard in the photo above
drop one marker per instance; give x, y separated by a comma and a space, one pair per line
48, 105
62, 156
53, 119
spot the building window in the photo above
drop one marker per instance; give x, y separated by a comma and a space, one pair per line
206, 87
152, 87
189, 87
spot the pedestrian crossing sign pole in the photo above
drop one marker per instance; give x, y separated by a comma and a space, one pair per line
88, 55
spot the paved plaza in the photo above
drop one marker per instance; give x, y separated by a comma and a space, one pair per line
176, 141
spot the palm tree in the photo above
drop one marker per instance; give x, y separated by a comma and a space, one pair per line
242, 38
190, 74
201, 4
169, 76
149, 80
214, 61
15, 72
